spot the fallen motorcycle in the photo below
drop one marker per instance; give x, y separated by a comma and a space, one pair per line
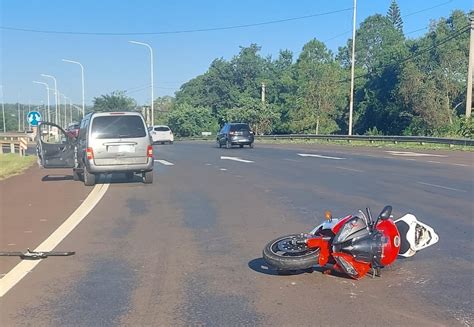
355, 245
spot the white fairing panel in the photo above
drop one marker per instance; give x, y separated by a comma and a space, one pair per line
415, 235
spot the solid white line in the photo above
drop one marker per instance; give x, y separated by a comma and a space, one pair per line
350, 169
319, 156
236, 159
222, 169
436, 162
164, 162
24, 267
440, 186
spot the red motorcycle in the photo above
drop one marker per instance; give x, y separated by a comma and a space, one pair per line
354, 245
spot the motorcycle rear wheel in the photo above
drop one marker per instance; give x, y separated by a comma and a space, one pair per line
283, 254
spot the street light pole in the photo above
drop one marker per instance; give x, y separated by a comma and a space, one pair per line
3, 112
56, 121
351, 102
65, 101
47, 92
151, 71
82, 80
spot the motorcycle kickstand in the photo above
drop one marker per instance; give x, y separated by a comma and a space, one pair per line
376, 272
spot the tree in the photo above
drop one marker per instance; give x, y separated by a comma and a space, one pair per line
185, 120
394, 16
115, 101
319, 92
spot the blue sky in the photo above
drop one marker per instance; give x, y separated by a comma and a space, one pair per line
111, 63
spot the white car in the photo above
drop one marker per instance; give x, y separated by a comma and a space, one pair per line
161, 134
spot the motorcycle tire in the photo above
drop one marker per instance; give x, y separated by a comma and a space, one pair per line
294, 259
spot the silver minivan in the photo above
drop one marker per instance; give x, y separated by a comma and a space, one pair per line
108, 142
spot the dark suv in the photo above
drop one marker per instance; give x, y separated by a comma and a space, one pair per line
235, 134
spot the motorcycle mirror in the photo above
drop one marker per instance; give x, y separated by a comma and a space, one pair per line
386, 212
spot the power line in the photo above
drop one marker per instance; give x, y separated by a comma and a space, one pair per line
422, 10
454, 35
178, 31
403, 16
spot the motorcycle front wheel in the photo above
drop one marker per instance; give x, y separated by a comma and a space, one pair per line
286, 253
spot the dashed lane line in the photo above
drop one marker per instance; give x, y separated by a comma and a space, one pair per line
236, 159
442, 187
319, 156
349, 169
164, 162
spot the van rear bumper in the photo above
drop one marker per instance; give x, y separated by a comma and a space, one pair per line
120, 168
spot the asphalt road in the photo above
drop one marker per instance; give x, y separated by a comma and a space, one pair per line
186, 250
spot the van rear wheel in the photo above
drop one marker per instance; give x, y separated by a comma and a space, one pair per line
89, 178
148, 177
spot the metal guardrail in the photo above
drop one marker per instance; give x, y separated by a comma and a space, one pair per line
15, 137
376, 138
9, 146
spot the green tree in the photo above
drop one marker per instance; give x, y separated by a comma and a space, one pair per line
319, 92
186, 120
395, 16
115, 101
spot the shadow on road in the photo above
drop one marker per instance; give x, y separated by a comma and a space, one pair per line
260, 266
56, 178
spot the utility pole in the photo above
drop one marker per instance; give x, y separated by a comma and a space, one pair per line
351, 102
263, 92
470, 70
19, 115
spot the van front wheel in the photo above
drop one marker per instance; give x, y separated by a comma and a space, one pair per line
148, 177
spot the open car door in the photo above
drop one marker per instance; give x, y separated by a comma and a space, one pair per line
55, 148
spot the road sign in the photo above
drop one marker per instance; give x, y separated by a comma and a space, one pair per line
34, 118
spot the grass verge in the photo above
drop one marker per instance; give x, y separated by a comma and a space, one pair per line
12, 164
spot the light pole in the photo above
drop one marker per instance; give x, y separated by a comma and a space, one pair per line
3, 112
65, 108
70, 110
351, 102
55, 95
47, 92
151, 73
82, 79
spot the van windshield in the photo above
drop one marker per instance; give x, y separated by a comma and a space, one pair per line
115, 127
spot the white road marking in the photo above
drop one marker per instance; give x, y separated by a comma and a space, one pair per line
223, 169
350, 169
26, 266
208, 164
443, 187
461, 165
236, 159
164, 162
319, 156
414, 154
436, 162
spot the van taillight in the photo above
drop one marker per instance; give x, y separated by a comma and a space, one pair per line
149, 151
90, 154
